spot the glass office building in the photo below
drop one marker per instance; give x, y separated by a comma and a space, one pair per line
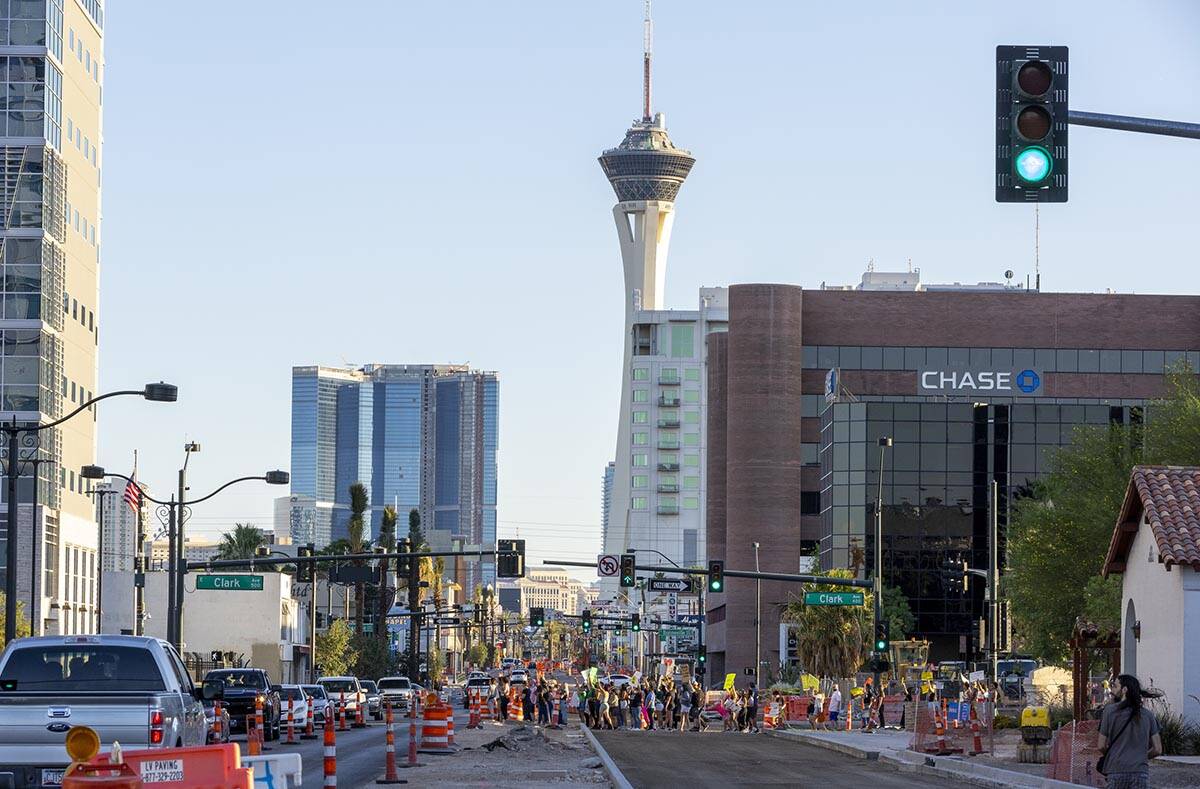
419, 437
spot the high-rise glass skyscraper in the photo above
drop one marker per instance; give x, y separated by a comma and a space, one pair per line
418, 437
51, 54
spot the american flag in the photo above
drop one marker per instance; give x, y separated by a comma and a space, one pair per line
133, 495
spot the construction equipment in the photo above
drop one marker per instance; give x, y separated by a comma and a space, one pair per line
1034, 747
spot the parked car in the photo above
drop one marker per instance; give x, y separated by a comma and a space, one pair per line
215, 735
127, 688
242, 689
374, 700
319, 700
397, 690
293, 699
344, 691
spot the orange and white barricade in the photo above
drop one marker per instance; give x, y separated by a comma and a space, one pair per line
772, 715
435, 731
201, 765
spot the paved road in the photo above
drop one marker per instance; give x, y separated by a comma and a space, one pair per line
695, 760
360, 753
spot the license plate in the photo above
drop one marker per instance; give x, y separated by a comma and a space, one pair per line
162, 771
52, 777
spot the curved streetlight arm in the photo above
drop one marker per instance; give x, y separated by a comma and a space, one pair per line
660, 553
148, 497
83, 407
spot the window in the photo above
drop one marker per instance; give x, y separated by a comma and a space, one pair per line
641, 417
692, 461
810, 454
691, 483
639, 502
691, 374
691, 439
70, 38
70, 129
641, 481
641, 439
683, 340
691, 396
641, 395
641, 460
691, 417
810, 502
641, 373
691, 502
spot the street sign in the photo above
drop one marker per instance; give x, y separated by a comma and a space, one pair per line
668, 585
608, 565
230, 583
674, 632
447, 620
672, 605
694, 619
833, 598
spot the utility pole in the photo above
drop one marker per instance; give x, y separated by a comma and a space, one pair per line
994, 583
757, 624
414, 620
877, 586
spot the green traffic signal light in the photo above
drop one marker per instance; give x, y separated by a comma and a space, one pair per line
1033, 165
880, 645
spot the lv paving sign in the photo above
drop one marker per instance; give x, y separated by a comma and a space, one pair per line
230, 583
833, 598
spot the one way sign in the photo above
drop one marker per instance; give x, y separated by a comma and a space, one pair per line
668, 585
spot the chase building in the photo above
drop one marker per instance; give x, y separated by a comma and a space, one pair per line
971, 383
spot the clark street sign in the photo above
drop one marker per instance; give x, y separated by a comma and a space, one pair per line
669, 585
833, 598
230, 583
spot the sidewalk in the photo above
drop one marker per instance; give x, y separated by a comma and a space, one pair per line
891, 746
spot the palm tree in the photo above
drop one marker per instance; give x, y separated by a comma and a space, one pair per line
356, 531
832, 640
387, 538
241, 543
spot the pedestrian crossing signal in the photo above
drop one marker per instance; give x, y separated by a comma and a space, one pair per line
716, 576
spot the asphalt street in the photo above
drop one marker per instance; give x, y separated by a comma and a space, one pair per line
719, 760
360, 754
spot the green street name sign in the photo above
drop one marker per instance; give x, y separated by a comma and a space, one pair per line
230, 583
833, 598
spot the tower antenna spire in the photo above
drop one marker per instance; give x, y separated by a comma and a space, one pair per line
647, 47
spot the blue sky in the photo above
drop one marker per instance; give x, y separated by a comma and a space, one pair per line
302, 182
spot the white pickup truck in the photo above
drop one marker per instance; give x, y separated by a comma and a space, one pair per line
128, 688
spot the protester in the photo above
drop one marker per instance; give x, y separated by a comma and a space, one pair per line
752, 708
502, 693
835, 705
1129, 735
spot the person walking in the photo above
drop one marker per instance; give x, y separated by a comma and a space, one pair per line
835, 705
650, 706
1129, 736
684, 699
502, 692
622, 706
752, 709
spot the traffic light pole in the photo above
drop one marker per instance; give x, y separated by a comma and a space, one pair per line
787, 577
1129, 123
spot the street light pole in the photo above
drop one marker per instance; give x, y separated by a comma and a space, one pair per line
159, 392
100, 495
757, 624
877, 588
993, 582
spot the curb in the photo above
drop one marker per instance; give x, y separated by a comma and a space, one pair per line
940, 767
610, 766
840, 747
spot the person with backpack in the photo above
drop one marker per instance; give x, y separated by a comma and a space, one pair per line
1129, 736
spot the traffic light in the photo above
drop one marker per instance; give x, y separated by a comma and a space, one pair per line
716, 576
537, 617
701, 654
1031, 124
587, 620
628, 570
305, 570
510, 566
881, 637
403, 563
637, 623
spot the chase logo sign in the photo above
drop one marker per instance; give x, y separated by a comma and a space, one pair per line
1013, 383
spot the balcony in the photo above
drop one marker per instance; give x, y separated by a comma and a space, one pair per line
668, 487
668, 401
668, 443
669, 423
669, 380
668, 509
668, 467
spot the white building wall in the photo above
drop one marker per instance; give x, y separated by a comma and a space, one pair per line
1158, 602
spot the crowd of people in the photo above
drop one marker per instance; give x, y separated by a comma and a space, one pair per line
663, 704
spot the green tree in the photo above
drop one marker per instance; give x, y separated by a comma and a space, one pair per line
477, 655
373, 658
335, 652
356, 541
897, 613
415, 535
832, 640
383, 598
22, 620
241, 543
1059, 535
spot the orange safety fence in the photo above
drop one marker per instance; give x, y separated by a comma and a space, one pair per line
1074, 750
893, 710
952, 732
796, 711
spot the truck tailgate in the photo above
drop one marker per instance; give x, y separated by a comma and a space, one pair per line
33, 727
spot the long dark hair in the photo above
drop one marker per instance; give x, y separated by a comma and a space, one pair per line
1134, 693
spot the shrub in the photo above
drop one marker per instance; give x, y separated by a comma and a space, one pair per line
1179, 736
1005, 722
